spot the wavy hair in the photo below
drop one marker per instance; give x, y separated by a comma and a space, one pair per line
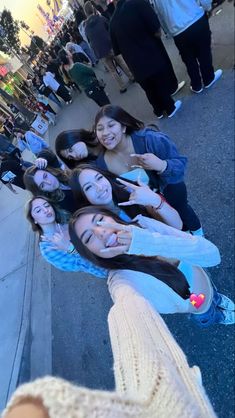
162, 270
57, 195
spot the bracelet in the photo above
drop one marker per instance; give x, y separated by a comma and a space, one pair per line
71, 248
161, 204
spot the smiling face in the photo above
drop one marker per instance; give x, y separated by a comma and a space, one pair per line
95, 187
46, 181
95, 237
76, 152
109, 132
42, 212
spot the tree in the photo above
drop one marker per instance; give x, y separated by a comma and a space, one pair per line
9, 33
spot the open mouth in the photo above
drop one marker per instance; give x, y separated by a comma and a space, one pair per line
103, 194
111, 241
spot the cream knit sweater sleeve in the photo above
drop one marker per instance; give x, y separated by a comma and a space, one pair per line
152, 375
178, 245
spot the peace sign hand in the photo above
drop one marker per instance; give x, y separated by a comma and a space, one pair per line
59, 241
140, 194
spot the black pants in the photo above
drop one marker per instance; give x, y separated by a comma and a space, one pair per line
194, 45
176, 196
158, 92
97, 93
63, 93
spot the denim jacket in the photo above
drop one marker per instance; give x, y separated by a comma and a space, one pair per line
176, 16
148, 140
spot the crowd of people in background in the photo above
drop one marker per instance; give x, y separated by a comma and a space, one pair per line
112, 201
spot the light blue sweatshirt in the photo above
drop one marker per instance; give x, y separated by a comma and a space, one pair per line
176, 16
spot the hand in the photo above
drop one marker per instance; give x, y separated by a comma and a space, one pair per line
124, 237
147, 223
140, 195
150, 161
59, 241
41, 163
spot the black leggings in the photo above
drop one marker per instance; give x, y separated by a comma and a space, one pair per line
97, 93
176, 196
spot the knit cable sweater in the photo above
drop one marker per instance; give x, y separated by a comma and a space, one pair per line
152, 375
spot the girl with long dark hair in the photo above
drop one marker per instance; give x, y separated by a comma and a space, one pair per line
172, 257
77, 145
91, 185
127, 144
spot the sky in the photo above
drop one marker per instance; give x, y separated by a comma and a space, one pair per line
26, 10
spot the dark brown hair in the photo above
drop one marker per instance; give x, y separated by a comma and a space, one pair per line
120, 115
67, 139
163, 271
30, 184
61, 216
119, 192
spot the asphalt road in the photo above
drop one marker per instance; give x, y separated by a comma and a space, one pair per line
204, 131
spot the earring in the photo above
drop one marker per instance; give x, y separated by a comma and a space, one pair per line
35, 222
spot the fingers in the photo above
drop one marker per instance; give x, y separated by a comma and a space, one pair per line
113, 251
114, 225
127, 184
129, 203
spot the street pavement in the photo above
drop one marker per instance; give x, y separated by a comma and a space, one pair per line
56, 322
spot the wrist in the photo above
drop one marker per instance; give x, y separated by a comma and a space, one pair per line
159, 207
163, 168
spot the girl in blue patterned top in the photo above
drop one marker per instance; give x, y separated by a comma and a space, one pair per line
51, 224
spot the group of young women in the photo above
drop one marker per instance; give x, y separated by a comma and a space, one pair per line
119, 211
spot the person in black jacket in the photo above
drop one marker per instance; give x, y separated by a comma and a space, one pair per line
135, 33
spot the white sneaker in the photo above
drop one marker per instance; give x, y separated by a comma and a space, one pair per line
226, 303
229, 318
178, 104
218, 74
196, 91
180, 86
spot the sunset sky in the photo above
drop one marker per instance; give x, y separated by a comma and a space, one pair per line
26, 10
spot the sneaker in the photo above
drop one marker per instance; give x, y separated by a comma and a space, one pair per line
123, 90
159, 116
196, 91
226, 303
178, 104
218, 74
180, 86
229, 318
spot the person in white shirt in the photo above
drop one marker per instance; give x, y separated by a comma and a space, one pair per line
186, 21
50, 81
160, 262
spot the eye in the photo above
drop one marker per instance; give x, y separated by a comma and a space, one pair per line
99, 177
87, 239
99, 218
87, 188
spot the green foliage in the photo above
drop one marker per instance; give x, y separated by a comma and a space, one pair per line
9, 33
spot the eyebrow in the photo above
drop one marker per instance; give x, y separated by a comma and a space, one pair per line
96, 176
84, 232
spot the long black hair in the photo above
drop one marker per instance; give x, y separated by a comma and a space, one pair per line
119, 192
67, 139
163, 271
120, 115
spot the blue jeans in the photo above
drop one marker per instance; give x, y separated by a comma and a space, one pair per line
214, 314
